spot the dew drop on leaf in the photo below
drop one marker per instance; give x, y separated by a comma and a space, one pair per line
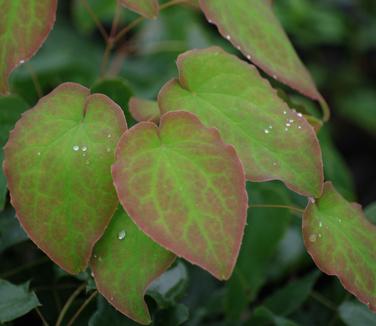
312, 237
76, 148
121, 235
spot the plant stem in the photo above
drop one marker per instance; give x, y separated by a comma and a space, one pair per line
24, 267
68, 303
35, 79
95, 19
324, 301
41, 317
83, 306
297, 209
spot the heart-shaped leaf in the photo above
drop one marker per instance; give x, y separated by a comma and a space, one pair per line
251, 26
184, 188
272, 141
124, 263
24, 26
144, 110
342, 242
146, 8
57, 163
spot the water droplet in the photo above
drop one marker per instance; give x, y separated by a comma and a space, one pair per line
275, 163
84, 154
275, 77
286, 129
270, 127
248, 57
320, 224
109, 136
266, 131
84, 148
284, 112
112, 298
299, 127
22, 61
312, 200
288, 125
38, 153
76, 148
228, 37
340, 220
320, 235
87, 162
300, 115
238, 47
210, 21
108, 149
121, 235
291, 120
312, 237
92, 274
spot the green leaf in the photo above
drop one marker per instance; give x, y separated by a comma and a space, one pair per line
57, 163
146, 8
251, 26
103, 10
144, 110
107, 315
226, 93
170, 286
286, 300
185, 189
11, 108
354, 313
341, 242
24, 26
16, 300
124, 263
11, 232
370, 212
173, 316
119, 90
262, 316
265, 229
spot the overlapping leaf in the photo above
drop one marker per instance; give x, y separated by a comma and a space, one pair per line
251, 26
144, 110
125, 262
184, 188
24, 26
342, 242
57, 163
272, 141
147, 8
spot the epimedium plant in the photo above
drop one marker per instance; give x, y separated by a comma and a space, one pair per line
180, 173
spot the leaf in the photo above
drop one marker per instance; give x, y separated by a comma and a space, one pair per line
11, 232
262, 316
146, 8
185, 189
107, 315
341, 242
15, 300
226, 93
173, 316
57, 163
11, 108
264, 231
119, 90
144, 110
354, 313
251, 26
24, 27
289, 298
124, 263
167, 288
370, 212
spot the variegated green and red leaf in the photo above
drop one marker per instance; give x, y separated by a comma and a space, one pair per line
146, 8
144, 110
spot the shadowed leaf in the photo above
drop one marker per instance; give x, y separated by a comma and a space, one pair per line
144, 110
227, 93
354, 313
24, 26
57, 163
146, 8
341, 241
251, 26
16, 300
184, 188
124, 263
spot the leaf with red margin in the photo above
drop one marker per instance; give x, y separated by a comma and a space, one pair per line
342, 242
144, 110
272, 141
124, 263
251, 26
184, 188
57, 163
146, 8
24, 26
